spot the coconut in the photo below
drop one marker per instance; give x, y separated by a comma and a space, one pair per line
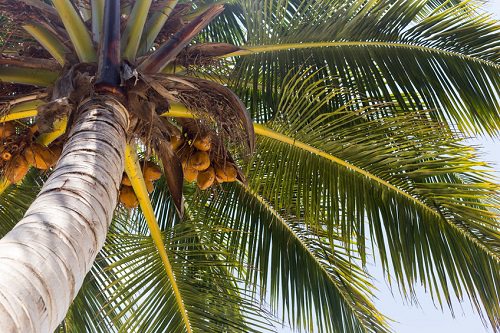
128, 197
227, 173
55, 153
199, 161
6, 156
206, 178
126, 180
151, 171
176, 141
16, 169
41, 157
6, 130
149, 186
34, 129
190, 174
203, 143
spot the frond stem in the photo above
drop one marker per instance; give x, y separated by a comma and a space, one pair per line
133, 170
255, 49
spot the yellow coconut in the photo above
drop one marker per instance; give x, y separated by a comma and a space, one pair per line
6, 130
33, 129
199, 161
176, 141
190, 174
227, 173
6, 156
16, 169
55, 153
151, 171
41, 157
149, 186
203, 143
206, 178
128, 197
126, 180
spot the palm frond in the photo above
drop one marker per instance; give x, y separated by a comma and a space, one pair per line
49, 41
133, 31
445, 60
317, 286
407, 175
146, 302
30, 76
134, 173
77, 31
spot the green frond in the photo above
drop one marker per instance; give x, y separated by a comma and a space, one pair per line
133, 170
447, 62
22, 110
412, 181
49, 41
154, 26
97, 7
31, 76
131, 36
77, 31
146, 302
16, 199
316, 286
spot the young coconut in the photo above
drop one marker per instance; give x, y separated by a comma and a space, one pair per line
34, 129
226, 173
190, 174
6, 156
6, 130
199, 161
151, 171
203, 143
176, 141
41, 157
128, 197
206, 178
16, 169
56, 152
126, 180
149, 186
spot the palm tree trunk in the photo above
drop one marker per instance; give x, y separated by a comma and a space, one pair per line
45, 258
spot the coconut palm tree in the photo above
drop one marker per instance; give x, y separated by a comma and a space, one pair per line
259, 151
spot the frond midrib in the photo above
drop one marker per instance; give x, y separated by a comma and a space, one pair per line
134, 173
255, 49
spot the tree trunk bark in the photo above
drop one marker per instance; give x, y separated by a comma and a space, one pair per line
45, 258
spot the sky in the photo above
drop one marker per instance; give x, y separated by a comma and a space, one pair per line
426, 317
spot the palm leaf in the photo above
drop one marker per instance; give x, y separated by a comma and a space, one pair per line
313, 283
444, 59
145, 300
338, 170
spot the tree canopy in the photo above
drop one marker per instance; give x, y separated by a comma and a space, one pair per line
359, 109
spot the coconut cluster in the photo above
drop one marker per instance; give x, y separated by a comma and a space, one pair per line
201, 164
150, 172
19, 151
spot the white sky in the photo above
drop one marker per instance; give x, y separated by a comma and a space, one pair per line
426, 317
